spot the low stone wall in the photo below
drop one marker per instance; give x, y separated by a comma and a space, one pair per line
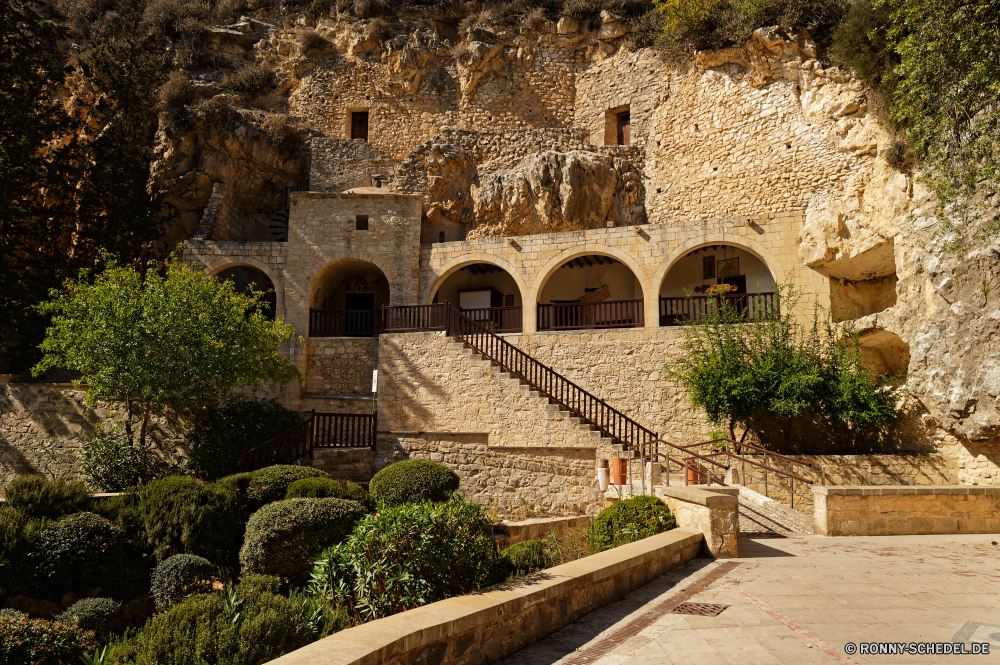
716, 514
894, 510
547, 478
511, 533
354, 464
484, 627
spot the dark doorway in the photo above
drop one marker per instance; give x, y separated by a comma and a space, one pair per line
624, 128
359, 125
363, 301
740, 281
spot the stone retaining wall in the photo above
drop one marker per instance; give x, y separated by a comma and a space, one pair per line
716, 513
484, 627
895, 510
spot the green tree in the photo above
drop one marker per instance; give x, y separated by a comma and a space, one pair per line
740, 367
177, 340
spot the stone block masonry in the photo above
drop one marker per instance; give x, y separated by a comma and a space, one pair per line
341, 366
895, 510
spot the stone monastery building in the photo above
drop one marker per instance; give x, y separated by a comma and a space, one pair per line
574, 198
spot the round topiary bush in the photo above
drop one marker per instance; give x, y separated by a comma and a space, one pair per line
271, 483
412, 481
329, 488
179, 576
283, 538
94, 614
522, 559
25, 641
182, 515
78, 553
631, 519
35, 496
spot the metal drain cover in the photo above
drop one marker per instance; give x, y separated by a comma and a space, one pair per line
699, 609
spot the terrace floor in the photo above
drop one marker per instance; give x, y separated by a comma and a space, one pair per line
799, 600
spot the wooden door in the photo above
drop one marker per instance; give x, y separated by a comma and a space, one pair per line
624, 128
359, 125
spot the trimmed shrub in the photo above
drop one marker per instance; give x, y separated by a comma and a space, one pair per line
11, 613
35, 496
523, 559
329, 488
182, 515
249, 624
284, 538
78, 553
95, 614
179, 576
227, 431
16, 535
406, 556
271, 483
631, 519
412, 481
25, 641
238, 483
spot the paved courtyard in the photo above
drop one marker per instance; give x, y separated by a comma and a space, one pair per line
796, 600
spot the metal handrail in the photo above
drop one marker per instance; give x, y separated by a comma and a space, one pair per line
761, 450
599, 414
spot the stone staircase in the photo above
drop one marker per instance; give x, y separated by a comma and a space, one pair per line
761, 515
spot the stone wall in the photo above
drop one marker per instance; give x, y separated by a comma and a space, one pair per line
340, 366
890, 511
549, 479
715, 513
44, 426
337, 164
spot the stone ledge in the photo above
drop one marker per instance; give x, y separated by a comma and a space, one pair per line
489, 620
589, 452
354, 195
900, 490
700, 496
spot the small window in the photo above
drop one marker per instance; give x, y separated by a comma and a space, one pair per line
508, 301
441, 236
708, 267
361, 223
359, 125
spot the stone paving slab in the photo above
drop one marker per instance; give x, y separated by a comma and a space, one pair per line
799, 600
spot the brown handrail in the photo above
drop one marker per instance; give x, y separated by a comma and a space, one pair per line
596, 412
319, 430
762, 450
655, 452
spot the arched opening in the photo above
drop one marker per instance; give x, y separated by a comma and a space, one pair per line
485, 293
590, 291
346, 297
699, 280
247, 278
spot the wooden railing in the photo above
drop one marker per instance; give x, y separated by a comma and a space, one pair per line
414, 318
581, 315
497, 319
343, 323
675, 311
610, 422
319, 430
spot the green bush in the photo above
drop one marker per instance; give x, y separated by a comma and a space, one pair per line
405, 556
283, 538
110, 462
179, 576
25, 641
17, 532
182, 515
412, 481
271, 483
328, 488
94, 614
249, 624
631, 519
241, 424
35, 496
523, 559
78, 553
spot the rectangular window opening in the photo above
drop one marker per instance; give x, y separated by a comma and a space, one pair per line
361, 223
624, 128
708, 267
441, 236
359, 125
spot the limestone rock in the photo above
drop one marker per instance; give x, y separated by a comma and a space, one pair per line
548, 192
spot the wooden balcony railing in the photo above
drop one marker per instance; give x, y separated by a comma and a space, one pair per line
497, 319
675, 311
319, 430
581, 315
343, 323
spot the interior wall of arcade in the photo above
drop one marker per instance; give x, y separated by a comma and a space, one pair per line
647, 251
688, 271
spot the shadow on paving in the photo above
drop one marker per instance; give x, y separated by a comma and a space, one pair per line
574, 636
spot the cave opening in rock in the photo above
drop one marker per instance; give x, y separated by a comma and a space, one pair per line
590, 291
486, 293
885, 352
